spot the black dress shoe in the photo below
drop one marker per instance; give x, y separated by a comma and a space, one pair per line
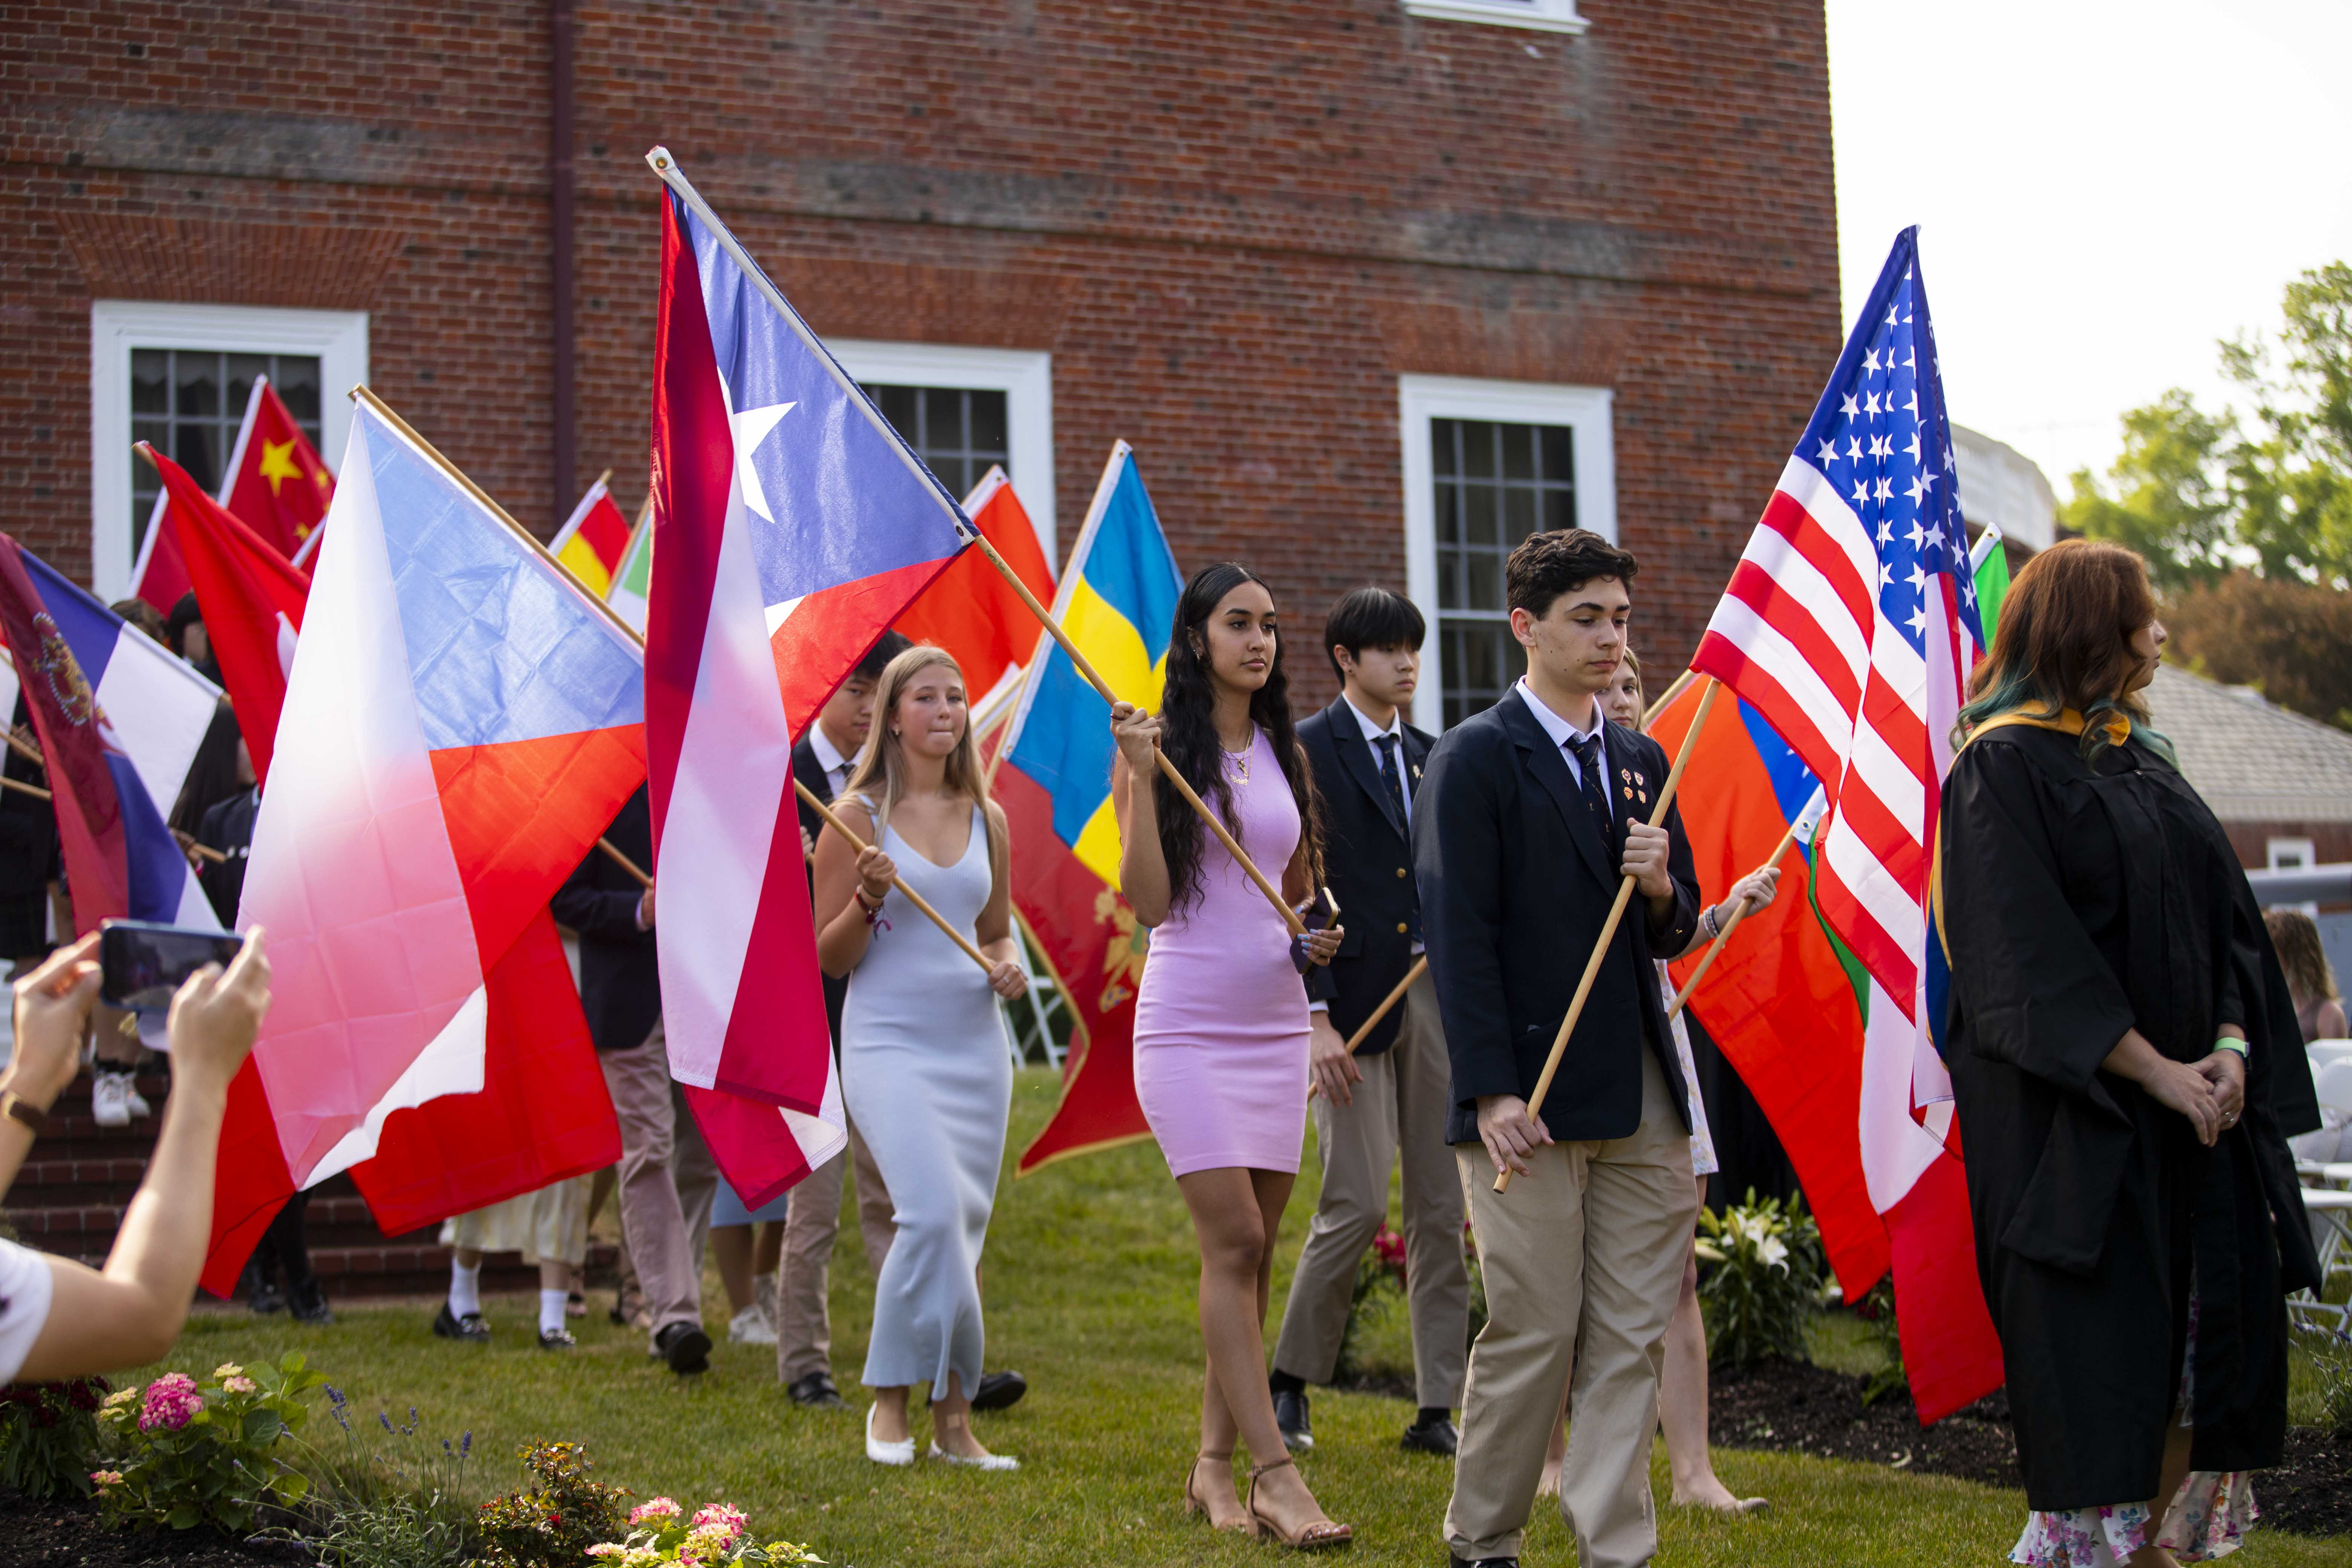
1290, 1420
685, 1347
1481, 1562
469, 1328
1437, 1437
816, 1391
307, 1301
261, 1293
998, 1390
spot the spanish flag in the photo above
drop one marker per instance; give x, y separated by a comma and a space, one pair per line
1117, 602
593, 540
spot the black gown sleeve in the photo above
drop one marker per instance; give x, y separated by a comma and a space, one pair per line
2036, 992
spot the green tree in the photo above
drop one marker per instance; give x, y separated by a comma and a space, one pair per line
2200, 494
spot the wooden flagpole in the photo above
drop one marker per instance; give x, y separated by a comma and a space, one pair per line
1054, 628
913, 897
1682, 998
21, 787
1609, 930
1419, 967
626, 864
30, 753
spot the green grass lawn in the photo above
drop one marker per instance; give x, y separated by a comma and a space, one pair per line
1090, 1277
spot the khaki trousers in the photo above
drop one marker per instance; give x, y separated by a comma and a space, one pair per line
1400, 1107
803, 1327
667, 1181
1583, 1260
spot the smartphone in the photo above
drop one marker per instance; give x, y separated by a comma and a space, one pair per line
141, 964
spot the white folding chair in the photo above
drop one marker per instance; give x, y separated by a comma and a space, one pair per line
2328, 1198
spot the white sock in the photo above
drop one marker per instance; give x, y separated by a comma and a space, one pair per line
551, 1308
465, 1289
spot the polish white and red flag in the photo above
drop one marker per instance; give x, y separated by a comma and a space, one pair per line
1851, 625
792, 527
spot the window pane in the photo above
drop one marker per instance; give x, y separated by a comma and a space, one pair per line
150, 383
1518, 513
196, 447
242, 371
1442, 434
898, 406
1484, 570
1519, 451
943, 419
990, 427
1559, 509
297, 381
196, 393
1559, 455
1478, 449
1478, 665
1480, 502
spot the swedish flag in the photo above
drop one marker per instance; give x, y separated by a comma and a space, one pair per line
1117, 602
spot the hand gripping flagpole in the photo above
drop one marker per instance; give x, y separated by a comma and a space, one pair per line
1682, 998
913, 897
1168, 769
1609, 930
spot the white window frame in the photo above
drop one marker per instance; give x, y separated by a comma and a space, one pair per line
1541, 15
1586, 410
338, 339
2306, 854
1025, 376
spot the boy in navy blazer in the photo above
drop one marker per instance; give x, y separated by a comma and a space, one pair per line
1391, 1097
1529, 816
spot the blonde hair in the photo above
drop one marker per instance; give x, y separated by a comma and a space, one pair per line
2296, 937
881, 772
1640, 719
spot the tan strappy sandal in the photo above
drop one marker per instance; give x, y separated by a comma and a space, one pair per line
1192, 1504
1312, 1537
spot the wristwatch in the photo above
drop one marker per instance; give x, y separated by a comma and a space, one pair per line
16, 1108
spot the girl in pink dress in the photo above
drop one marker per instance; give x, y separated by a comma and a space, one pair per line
1220, 1016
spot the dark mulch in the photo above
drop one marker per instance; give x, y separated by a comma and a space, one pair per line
2311, 1493
1796, 1405
66, 1534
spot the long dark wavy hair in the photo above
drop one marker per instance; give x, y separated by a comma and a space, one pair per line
1188, 708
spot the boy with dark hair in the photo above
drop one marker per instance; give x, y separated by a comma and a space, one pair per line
1389, 1098
1531, 814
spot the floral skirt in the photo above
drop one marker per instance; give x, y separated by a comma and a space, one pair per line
2208, 1517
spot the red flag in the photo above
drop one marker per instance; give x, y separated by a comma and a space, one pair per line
277, 481
1093, 947
972, 612
251, 598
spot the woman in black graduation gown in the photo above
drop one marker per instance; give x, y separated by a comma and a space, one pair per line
2123, 1051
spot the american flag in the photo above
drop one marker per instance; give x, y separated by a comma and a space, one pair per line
1851, 623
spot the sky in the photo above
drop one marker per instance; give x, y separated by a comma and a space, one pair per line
2104, 192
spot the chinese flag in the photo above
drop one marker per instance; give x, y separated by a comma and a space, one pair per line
251, 598
277, 484
972, 612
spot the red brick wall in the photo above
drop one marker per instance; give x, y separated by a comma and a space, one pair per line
1233, 224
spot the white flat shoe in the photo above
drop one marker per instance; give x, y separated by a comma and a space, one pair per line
900, 1453
985, 1461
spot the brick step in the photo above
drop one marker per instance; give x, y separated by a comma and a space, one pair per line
70, 1182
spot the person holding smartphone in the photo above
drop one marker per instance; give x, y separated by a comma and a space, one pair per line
60, 1318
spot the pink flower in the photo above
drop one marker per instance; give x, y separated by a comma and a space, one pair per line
721, 1516
238, 1385
659, 1508
171, 1403
104, 1478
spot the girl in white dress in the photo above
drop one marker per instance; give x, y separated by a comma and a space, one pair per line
926, 1071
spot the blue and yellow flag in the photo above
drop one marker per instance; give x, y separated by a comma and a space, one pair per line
1117, 602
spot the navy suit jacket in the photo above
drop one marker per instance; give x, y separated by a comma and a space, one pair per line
1516, 882
1368, 864
620, 973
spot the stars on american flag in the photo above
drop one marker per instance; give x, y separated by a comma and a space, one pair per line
1893, 463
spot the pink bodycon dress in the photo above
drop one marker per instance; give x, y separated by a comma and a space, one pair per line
1220, 1016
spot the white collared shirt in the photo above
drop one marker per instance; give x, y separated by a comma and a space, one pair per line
1562, 732
837, 768
1374, 734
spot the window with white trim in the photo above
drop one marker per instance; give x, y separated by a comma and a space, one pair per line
964, 409
1487, 464
2290, 854
178, 376
1543, 16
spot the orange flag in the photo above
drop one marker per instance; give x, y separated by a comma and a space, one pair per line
974, 614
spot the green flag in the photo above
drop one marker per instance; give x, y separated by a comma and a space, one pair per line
1990, 564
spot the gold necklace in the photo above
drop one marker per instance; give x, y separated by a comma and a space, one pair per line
1239, 762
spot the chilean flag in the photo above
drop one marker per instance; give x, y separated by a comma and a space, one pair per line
460, 723
791, 526
81, 668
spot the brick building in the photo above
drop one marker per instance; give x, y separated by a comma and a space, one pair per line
1373, 286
